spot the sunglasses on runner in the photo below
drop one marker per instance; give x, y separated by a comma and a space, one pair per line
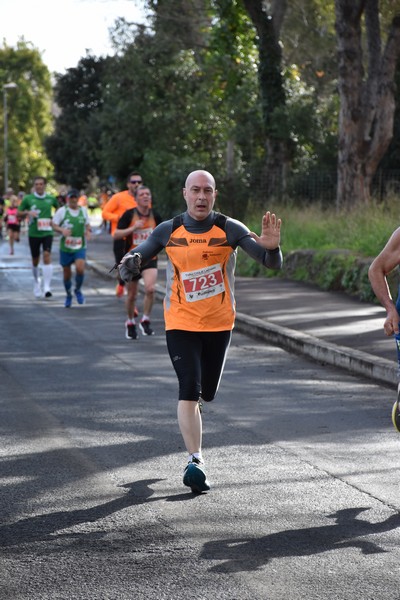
135, 181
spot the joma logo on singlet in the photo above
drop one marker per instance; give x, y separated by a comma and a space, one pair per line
196, 241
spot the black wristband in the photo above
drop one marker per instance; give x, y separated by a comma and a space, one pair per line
274, 251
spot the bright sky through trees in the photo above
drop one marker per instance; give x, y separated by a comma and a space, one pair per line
62, 31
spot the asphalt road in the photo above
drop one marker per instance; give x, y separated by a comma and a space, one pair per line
303, 461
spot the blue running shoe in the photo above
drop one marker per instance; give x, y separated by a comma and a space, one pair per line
80, 297
195, 477
68, 301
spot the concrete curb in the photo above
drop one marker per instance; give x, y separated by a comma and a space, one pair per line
355, 361
361, 363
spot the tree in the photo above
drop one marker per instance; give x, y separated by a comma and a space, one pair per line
391, 160
310, 72
367, 101
194, 98
231, 84
164, 90
74, 146
268, 19
29, 113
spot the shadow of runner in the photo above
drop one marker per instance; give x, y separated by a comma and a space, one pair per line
251, 554
41, 527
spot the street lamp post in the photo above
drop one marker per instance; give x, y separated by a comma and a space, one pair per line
6, 86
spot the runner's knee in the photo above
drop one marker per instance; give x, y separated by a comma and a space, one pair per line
189, 390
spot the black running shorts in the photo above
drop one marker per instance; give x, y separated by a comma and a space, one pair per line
35, 243
198, 358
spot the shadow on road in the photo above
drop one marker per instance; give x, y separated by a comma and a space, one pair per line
250, 554
41, 527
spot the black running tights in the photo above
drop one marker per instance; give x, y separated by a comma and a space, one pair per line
198, 359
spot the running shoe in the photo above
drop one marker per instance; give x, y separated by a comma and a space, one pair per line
195, 477
130, 331
68, 301
396, 411
119, 290
37, 292
145, 328
80, 297
48, 294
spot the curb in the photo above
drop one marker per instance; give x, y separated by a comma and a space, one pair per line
357, 362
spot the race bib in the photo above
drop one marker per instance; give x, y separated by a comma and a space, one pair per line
44, 225
73, 243
203, 283
140, 235
12, 219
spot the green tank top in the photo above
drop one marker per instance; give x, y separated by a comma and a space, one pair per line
76, 239
40, 224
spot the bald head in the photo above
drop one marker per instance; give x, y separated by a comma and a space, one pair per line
200, 194
195, 175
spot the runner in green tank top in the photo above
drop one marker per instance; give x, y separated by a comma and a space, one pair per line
76, 225
38, 207
72, 221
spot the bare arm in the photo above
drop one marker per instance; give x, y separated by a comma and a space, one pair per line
65, 231
28, 213
120, 234
384, 263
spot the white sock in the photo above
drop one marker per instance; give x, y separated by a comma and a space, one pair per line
197, 455
35, 271
47, 274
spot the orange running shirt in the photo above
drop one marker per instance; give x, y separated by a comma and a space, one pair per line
140, 235
116, 206
200, 294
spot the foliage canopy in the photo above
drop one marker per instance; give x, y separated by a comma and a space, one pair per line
29, 117
183, 92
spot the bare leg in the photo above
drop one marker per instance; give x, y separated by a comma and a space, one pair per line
67, 274
189, 419
150, 279
190, 425
132, 288
11, 240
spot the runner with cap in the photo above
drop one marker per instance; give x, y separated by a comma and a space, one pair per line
72, 222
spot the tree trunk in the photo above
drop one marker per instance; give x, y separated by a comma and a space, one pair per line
367, 102
268, 24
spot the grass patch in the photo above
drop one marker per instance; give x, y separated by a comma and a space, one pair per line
363, 231
332, 251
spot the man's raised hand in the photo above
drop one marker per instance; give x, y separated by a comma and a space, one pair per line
270, 231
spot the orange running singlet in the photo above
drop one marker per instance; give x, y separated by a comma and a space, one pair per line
140, 235
200, 284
